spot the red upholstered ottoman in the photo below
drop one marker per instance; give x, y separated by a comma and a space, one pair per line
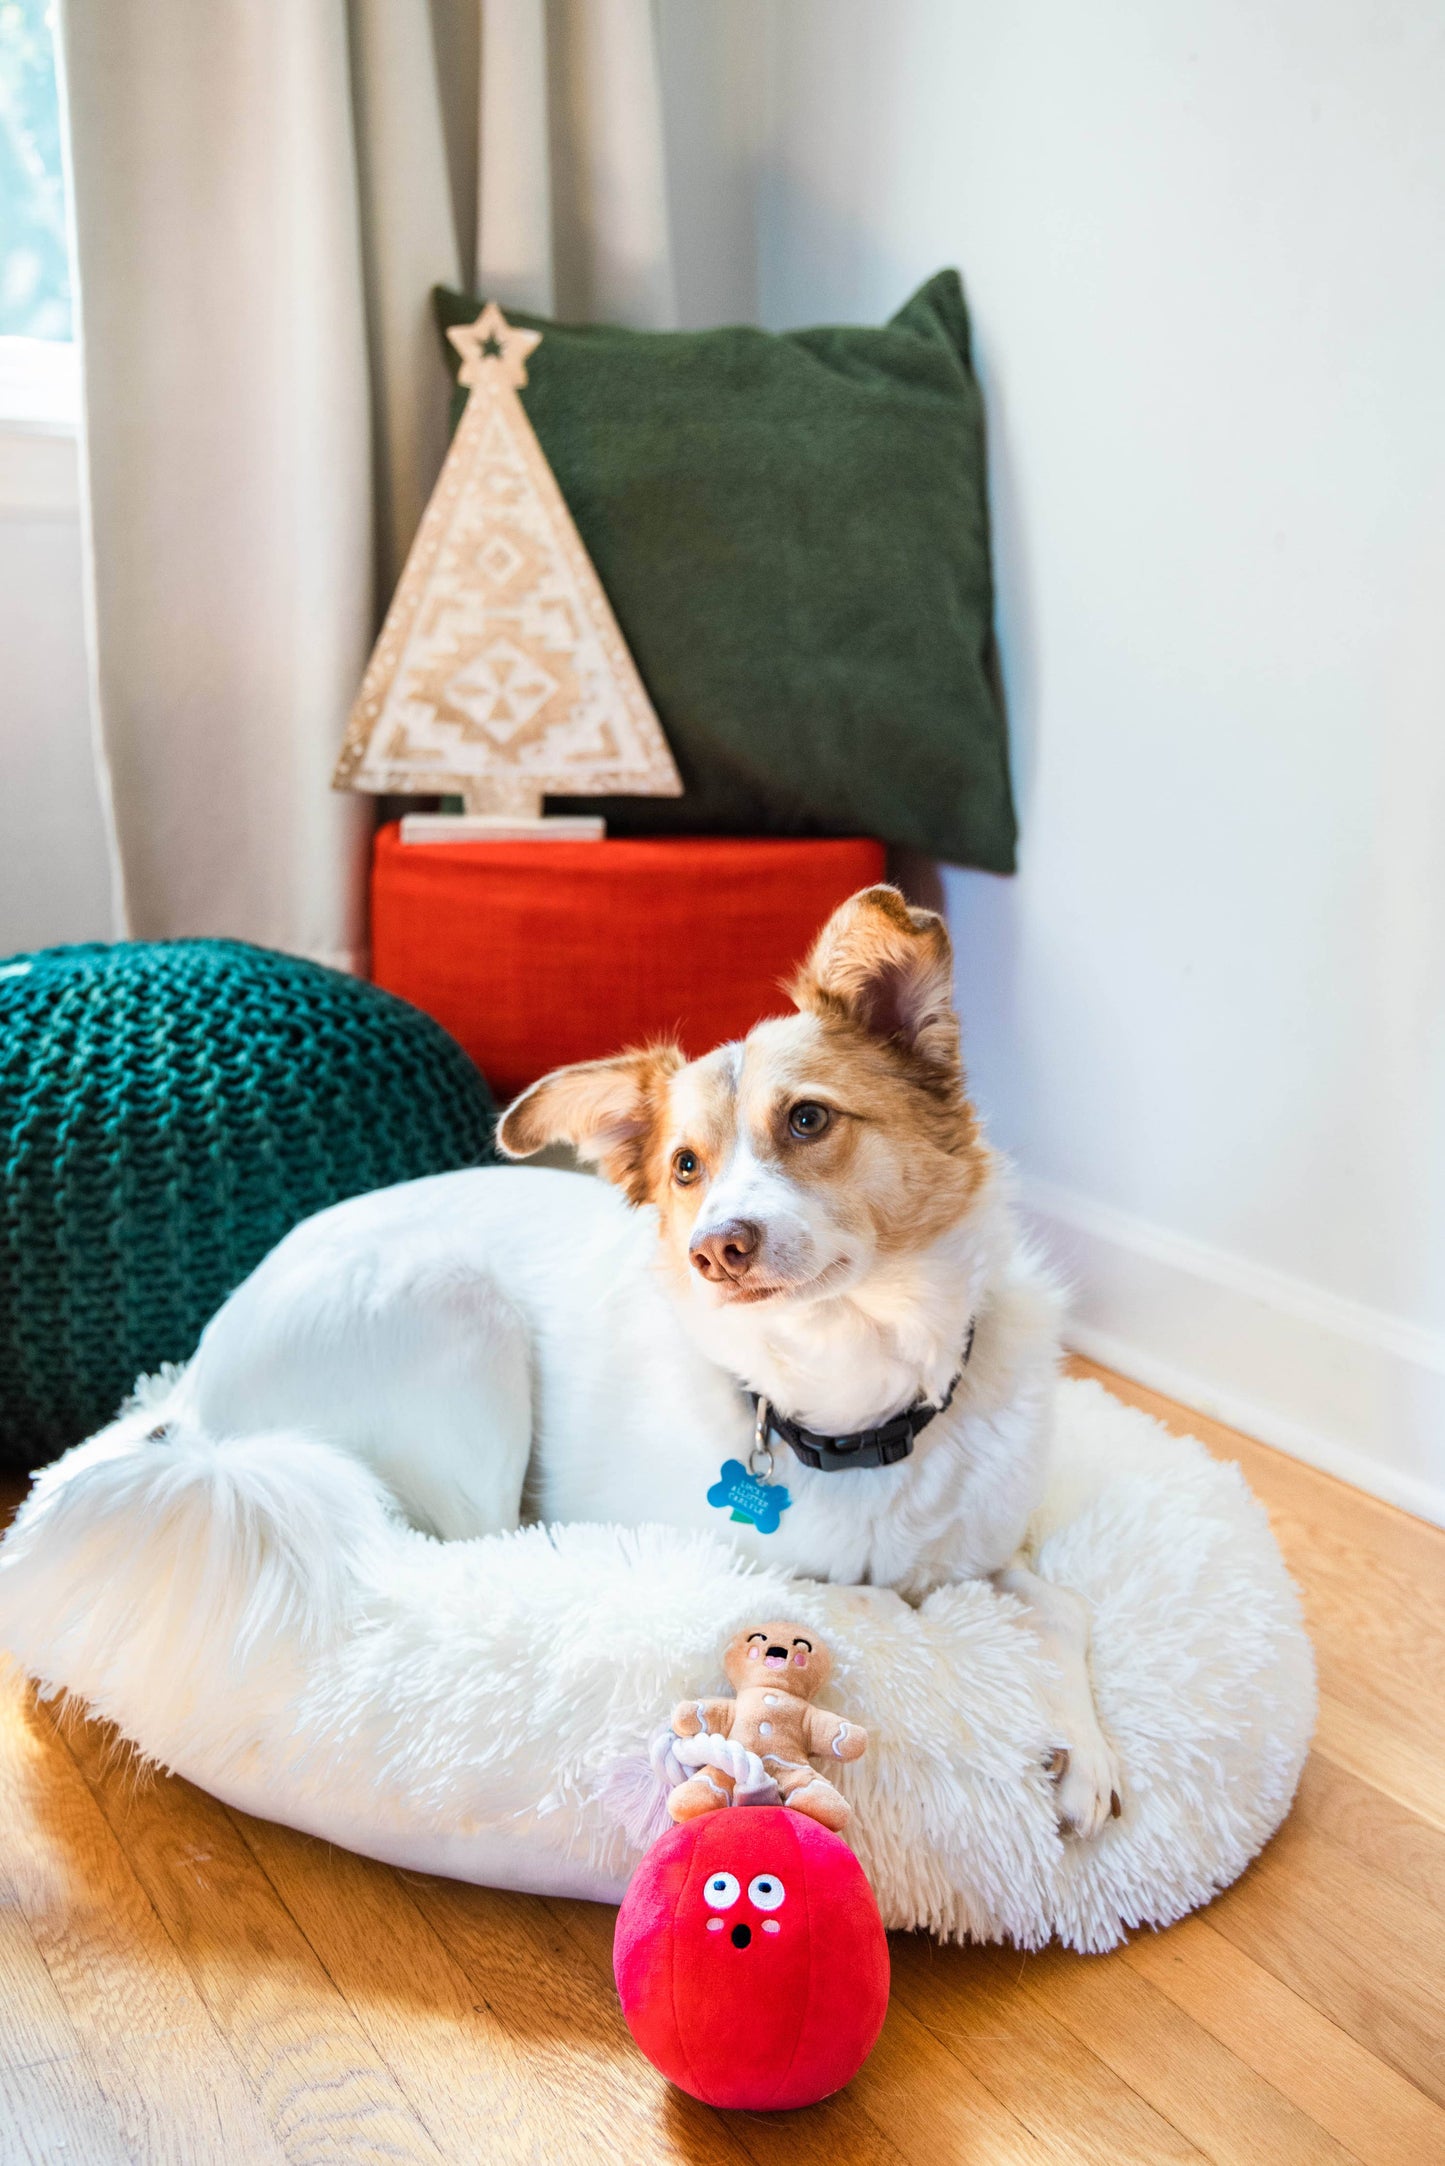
537, 953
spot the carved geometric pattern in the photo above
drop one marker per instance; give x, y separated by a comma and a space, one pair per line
496, 688
501, 670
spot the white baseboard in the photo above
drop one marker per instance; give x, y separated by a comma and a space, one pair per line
1349, 1389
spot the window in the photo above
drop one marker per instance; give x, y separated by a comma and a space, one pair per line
39, 378
34, 258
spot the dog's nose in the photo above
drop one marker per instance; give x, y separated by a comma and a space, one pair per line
728, 1251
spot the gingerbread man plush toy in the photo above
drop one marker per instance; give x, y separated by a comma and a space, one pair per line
773, 1732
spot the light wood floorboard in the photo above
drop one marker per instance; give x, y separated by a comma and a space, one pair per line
182, 1984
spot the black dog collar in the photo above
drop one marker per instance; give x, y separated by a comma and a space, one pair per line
881, 1447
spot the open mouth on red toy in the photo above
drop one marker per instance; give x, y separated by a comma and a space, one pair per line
741, 1935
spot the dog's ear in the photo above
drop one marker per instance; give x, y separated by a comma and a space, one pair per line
606, 1110
888, 970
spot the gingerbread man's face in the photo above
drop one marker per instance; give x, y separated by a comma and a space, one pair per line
791, 1653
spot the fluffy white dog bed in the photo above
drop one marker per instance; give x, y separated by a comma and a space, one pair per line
255, 1617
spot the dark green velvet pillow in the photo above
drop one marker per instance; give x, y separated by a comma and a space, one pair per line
793, 531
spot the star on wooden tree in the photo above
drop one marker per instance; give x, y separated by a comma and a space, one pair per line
501, 672
492, 338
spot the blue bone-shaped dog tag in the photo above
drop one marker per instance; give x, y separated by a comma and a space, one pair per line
756, 1504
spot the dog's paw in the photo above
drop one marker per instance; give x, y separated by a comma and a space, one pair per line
1087, 1786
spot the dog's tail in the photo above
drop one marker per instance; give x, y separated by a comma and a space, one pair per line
155, 1555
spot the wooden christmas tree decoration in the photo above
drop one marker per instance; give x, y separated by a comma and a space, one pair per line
501, 672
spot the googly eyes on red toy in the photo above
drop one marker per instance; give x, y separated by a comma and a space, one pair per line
765, 1891
751, 1960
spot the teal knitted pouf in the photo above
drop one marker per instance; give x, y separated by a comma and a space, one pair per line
167, 1111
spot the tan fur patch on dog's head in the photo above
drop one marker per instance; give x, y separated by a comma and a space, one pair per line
885, 970
607, 1110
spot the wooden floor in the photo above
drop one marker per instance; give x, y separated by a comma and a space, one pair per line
181, 1983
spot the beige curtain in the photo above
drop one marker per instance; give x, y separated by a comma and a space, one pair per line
265, 192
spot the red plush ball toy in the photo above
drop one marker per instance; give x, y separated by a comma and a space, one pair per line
751, 1959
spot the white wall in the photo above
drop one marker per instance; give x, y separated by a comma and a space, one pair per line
1205, 250
54, 870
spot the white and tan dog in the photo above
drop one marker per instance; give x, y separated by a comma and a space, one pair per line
811, 1215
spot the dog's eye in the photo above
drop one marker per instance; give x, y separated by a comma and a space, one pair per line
808, 1120
766, 1892
721, 1891
686, 1166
